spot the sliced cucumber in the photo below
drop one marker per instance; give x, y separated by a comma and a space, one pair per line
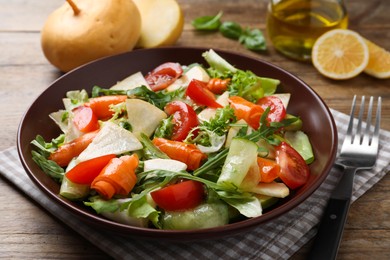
217, 62
297, 125
242, 154
301, 143
73, 191
266, 201
206, 215
269, 85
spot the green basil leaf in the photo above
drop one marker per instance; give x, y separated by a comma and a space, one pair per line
253, 40
207, 23
231, 30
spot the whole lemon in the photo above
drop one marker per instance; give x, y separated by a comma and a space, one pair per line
84, 30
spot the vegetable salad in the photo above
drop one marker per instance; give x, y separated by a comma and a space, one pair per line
185, 146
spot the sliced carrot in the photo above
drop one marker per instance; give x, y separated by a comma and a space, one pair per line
85, 119
66, 152
244, 109
269, 169
186, 153
217, 85
117, 177
86, 171
101, 105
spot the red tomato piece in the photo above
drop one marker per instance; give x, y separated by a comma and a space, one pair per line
164, 75
85, 119
184, 117
180, 196
277, 110
294, 172
199, 93
86, 171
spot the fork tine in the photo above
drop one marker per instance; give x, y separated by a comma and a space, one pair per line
375, 138
358, 136
348, 136
366, 138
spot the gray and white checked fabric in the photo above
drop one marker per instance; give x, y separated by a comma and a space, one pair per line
277, 239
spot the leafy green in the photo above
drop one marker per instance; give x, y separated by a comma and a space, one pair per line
150, 150
44, 148
165, 129
218, 64
207, 23
242, 201
243, 83
140, 208
77, 97
247, 85
158, 99
208, 133
266, 132
231, 30
136, 207
253, 39
101, 205
48, 166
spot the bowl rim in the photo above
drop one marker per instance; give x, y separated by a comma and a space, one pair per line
150, 233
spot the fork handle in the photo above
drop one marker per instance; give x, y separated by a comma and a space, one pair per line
330, 231
329, 234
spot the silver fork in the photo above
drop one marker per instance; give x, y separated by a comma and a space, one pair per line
359, 151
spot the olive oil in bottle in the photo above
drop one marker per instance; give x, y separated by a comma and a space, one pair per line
294, 25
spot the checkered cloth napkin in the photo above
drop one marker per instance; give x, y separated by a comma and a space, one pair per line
277, 239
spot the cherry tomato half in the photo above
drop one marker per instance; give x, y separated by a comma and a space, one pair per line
199, 93
86, 171
164, 75
180, 196
277, 110
184, 118
85, 119
294, 172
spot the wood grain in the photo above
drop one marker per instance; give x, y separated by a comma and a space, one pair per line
28, 231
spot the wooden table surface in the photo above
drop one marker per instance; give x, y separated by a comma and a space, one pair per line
27, 231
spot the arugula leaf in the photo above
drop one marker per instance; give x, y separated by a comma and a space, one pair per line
48, 166
150, 150
45, 149
158, 99
266, 131
207, 23
100, 205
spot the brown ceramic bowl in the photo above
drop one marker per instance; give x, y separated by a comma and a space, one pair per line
317, 119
